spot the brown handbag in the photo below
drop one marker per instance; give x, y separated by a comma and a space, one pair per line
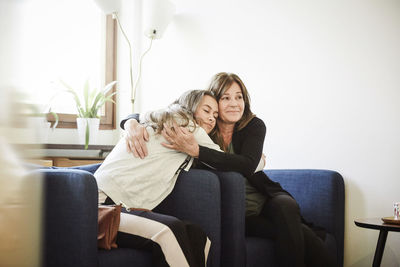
108, 221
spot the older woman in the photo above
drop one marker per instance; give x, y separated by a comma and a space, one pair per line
142, 184
270, 211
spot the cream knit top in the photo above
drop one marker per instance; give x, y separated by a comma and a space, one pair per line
144, 183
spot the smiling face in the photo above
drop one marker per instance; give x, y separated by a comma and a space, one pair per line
207, 113
231, 104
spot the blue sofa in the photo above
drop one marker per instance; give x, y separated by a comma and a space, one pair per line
213, 200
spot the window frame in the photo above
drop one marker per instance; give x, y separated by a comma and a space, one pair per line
108, 121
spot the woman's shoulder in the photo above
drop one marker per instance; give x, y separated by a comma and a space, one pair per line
251, 137
257, 120
255, 127
255, 123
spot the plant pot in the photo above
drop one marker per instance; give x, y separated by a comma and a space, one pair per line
93, 129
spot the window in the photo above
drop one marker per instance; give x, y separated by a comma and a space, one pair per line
72, 41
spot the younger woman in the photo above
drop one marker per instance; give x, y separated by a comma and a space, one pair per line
143, 184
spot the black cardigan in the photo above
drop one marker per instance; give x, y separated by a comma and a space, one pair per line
248, 146
132, 116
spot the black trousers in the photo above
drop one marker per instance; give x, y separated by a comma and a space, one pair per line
172, 242
296, 244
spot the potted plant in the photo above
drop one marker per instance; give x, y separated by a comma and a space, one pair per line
92, 100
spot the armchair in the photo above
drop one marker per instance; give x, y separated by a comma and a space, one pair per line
320, 194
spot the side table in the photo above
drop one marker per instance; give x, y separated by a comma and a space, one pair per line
384, 228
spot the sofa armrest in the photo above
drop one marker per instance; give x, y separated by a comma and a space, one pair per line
233, 209
196, 198
70, 218
320, 194
89, 168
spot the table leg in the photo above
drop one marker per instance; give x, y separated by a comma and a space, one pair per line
380, 247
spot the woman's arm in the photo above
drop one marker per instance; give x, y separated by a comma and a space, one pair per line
248, 144
183, 140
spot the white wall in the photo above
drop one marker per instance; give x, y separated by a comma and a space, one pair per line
323, 75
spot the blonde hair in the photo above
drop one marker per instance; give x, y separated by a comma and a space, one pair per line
220, 82
181, 111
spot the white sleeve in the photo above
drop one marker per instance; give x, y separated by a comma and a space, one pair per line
203, 139
260, 166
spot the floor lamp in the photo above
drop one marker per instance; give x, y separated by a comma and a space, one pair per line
157, 14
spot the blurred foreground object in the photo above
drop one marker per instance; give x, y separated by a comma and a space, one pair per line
20, 211
20, 191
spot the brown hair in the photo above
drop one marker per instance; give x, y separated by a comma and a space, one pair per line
218, 85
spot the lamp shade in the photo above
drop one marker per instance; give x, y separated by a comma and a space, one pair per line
108, 6
157, 14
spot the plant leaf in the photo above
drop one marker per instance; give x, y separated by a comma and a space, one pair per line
101, 98
55, 115
87, 135
93, 99
92, 95
108, 87
66, 85
109, 99
86, 95
76, 98
97, 102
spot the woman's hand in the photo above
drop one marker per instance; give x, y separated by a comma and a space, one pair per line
180, 139
136, 137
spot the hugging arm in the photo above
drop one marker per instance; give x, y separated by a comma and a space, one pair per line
183, 140
248, 145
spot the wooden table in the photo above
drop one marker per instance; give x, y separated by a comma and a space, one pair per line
384, 228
